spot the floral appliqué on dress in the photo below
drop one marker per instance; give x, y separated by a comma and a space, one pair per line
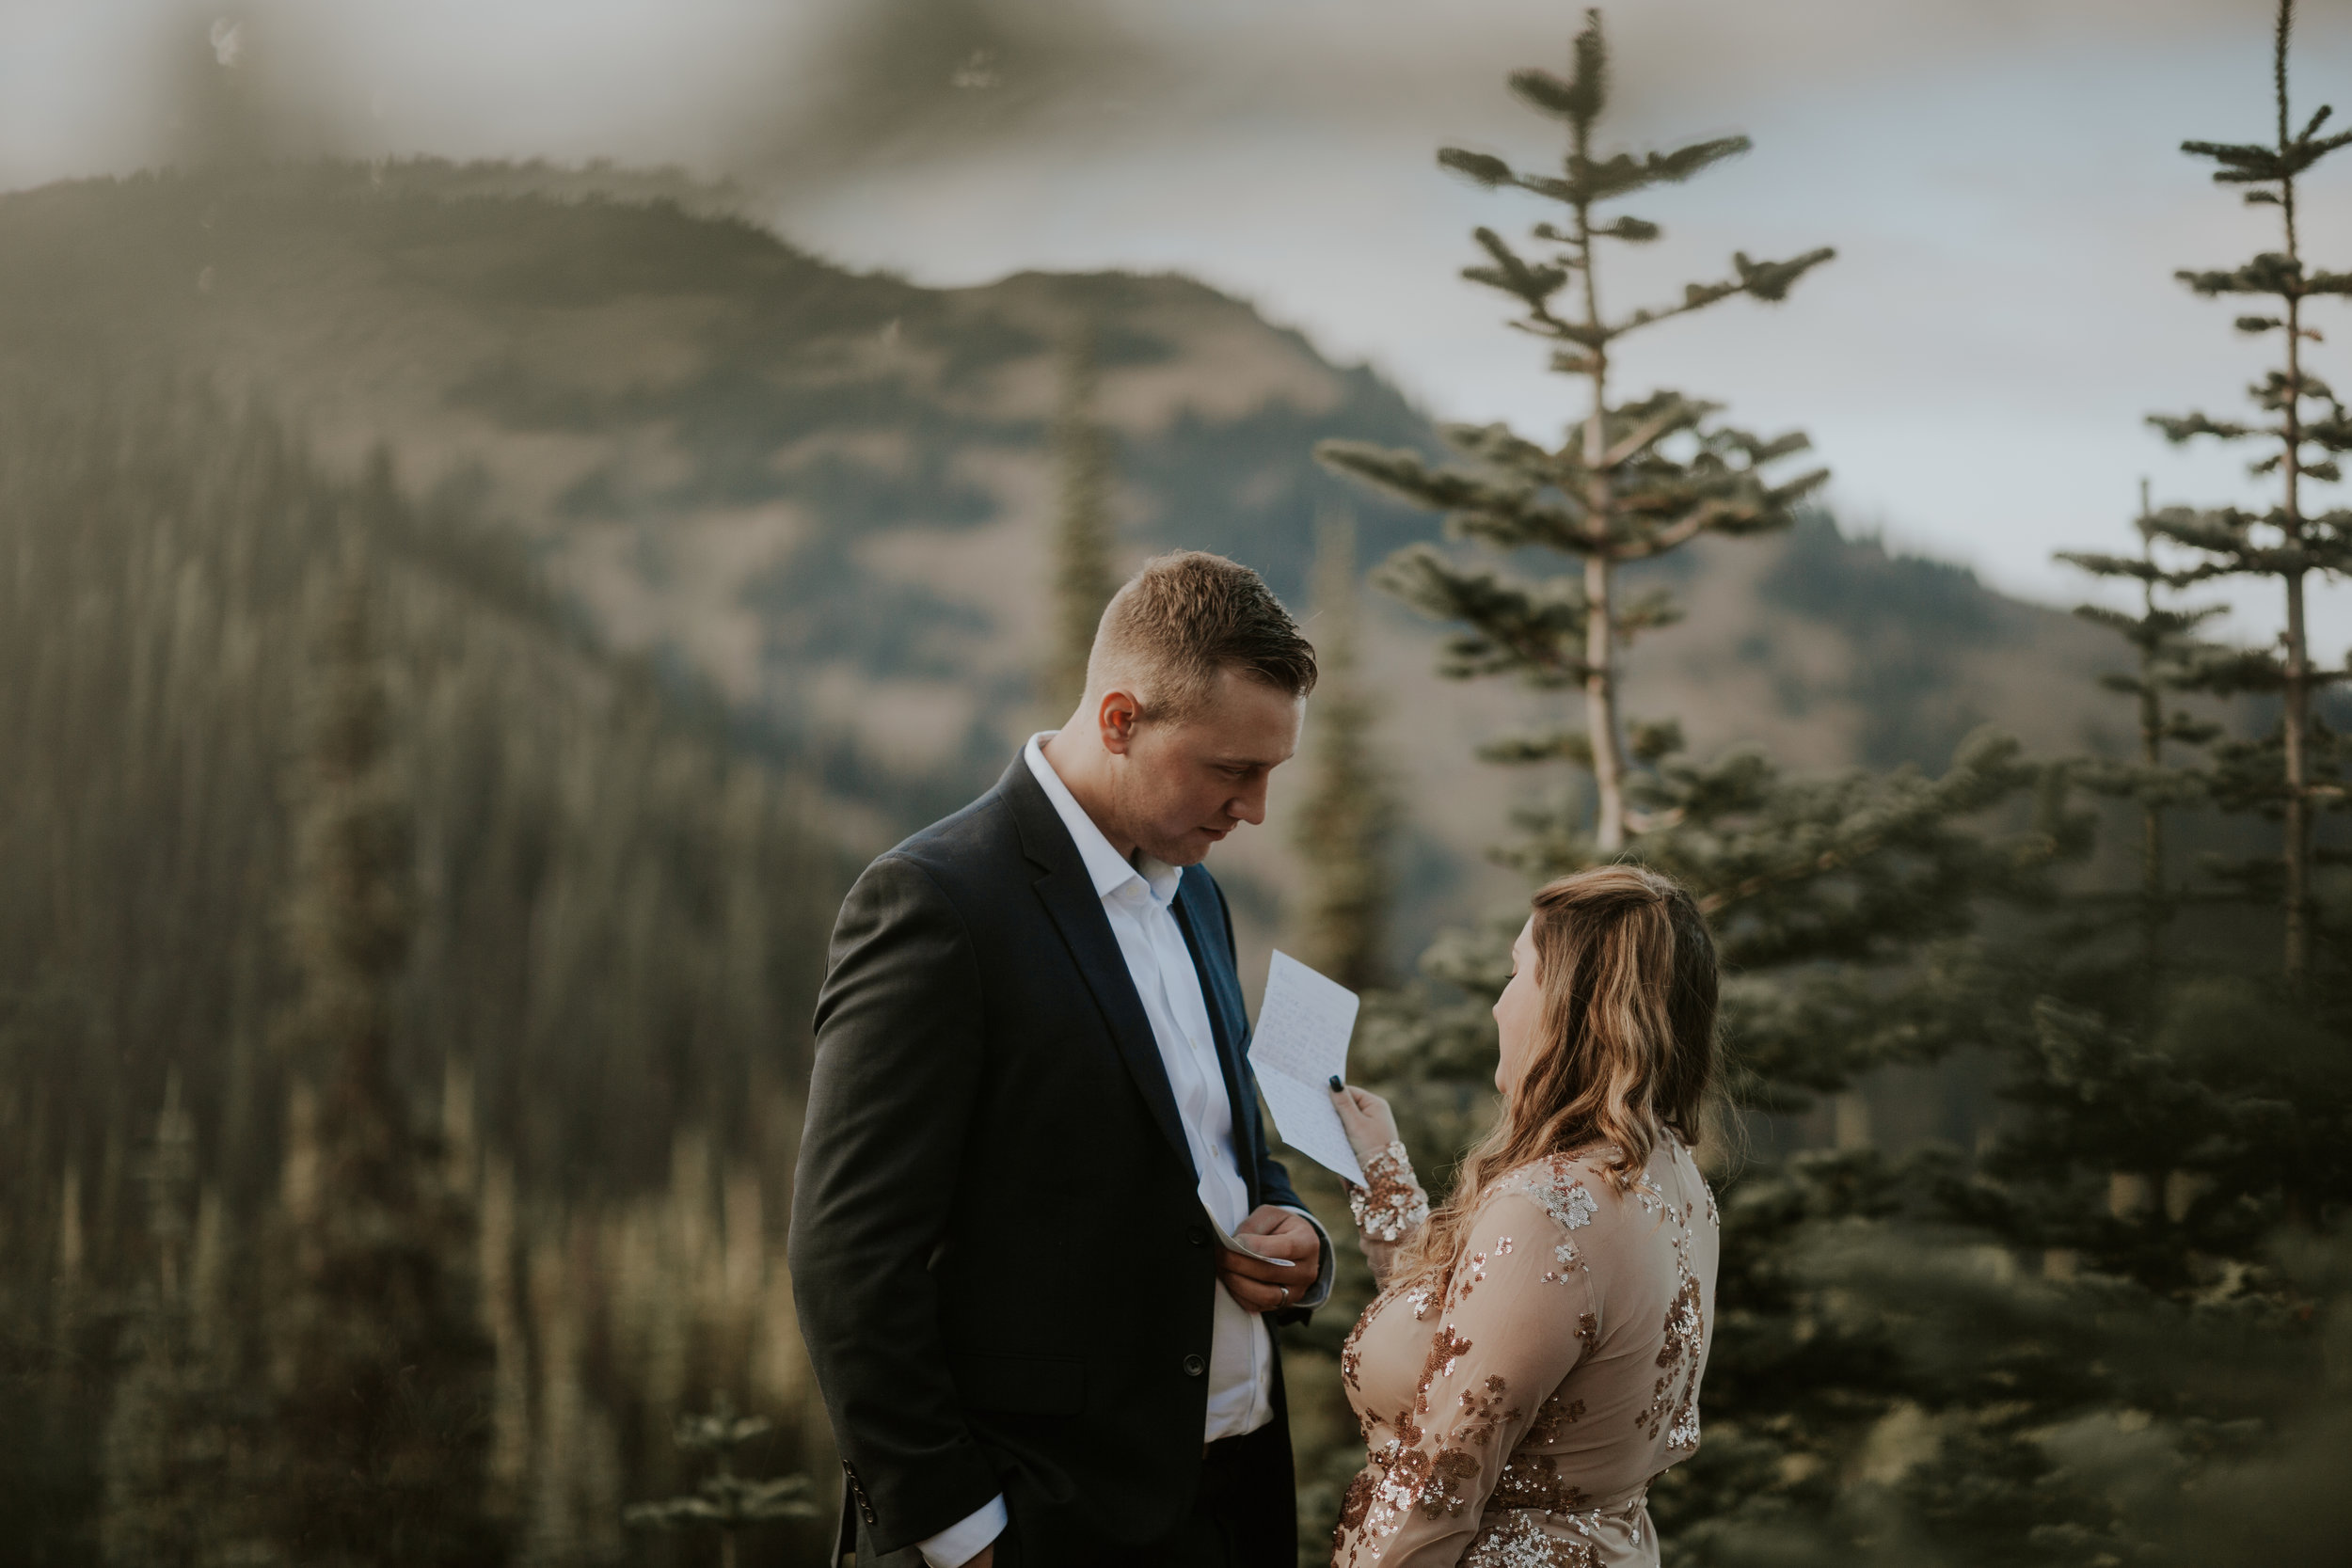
1391, 1203
1685, 1335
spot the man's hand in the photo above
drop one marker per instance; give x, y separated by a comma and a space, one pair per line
986, 1558
1266, 1287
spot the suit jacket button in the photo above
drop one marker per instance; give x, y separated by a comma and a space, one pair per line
857, 1490
1194, 1365
1197, 1236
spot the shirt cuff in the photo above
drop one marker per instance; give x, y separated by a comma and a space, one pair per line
1321, 1291
958, 1544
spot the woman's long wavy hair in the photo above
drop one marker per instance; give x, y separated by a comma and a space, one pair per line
1628, 1052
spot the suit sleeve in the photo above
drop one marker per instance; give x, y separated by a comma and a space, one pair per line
897, 1070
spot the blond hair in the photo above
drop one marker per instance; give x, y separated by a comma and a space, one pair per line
1184, 617
1627, 1052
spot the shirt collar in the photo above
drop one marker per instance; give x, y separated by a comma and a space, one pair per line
1106, 868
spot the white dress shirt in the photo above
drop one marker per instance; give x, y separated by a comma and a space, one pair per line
1139, 899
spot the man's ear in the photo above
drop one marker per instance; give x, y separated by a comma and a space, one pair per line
1115, 718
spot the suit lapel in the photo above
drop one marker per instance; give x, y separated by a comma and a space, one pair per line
1068, 893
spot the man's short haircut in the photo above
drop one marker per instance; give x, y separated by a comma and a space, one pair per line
1181, 620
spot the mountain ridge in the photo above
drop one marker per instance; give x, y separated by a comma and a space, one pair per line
823, 490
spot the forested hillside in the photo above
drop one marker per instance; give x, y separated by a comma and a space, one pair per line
685, 569
605, 923
824, 492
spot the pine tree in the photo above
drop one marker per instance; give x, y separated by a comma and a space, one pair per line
2109, 1341
2305, 423
377, 1430
1085, 535
603, 876
1635, 480
726, 1501
171, 1430
1846, 907
2171, 659
1805, 877
1348, 815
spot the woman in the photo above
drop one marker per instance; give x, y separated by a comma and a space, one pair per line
1532, 1361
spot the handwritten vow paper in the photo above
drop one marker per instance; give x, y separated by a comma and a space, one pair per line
1301, 1045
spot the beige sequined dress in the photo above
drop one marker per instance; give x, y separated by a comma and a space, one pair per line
1517, 1419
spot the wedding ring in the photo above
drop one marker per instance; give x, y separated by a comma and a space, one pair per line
1286, 1295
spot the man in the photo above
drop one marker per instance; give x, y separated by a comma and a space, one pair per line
1030, 1103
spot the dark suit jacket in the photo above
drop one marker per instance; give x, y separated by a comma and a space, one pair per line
1003, 1271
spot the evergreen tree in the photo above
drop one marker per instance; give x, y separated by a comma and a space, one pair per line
377, 1430
2170, 659
1812, 879
1344, 837
1636, 478
1846, 907
171, 1431
1085, 535
1348, 815
604, 877
726, 1501
2111, 1341
2301, 420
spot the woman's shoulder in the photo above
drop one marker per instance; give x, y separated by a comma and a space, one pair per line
1573, 1188
1585, 1187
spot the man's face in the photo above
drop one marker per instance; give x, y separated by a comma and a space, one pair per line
1182, 788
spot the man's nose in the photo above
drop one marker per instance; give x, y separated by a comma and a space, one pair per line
1249, 805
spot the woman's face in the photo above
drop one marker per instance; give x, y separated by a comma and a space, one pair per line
1519, 1012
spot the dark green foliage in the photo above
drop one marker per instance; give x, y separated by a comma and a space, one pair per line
1813, 882
1927, 1360
176, 1430
1846, 906
726, 1501
374, 1435
2093, 1345
2170, 660
2304, 424
611, 922
1348, 815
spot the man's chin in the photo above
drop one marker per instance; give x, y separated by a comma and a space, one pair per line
1191, 849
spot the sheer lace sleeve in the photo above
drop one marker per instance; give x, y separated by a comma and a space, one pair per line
1518, 1314
1388, 1210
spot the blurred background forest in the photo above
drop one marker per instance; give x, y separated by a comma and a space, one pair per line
466, 622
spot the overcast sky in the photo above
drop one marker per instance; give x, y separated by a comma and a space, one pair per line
2000, 176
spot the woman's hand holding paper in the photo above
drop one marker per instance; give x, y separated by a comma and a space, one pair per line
1369, 1124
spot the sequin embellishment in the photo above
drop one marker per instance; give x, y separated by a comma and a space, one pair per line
1554, 1184
1552, 1420
1534, 1481
1520, 1542
1393, 1204
1683, 1342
